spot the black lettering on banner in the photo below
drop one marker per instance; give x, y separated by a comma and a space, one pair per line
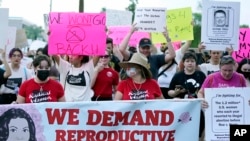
244, 47
239, 132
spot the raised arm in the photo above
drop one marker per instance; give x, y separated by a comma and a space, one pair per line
171, 52
7, 72
124, 44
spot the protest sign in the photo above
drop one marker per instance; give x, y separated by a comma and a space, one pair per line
77, 33
156, 120
226, 106
117, 33
21, 38
4, 16
150, 19
11, 39
244, 45
179, 25
220, 25
118, 17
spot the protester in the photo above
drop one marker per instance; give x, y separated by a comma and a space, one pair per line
76, 76
186, 83
41, 88
19, 74
244, 68
145, 46
105, 79
139, 85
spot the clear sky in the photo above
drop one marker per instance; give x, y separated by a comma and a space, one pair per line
33, 10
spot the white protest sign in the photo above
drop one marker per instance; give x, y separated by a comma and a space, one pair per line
4, 16
220, 25
226, 106
11, 39
150, 19
118, 17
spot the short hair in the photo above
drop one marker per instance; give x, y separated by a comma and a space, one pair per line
39, 49
189, 55
15, 113
219, 11
14, 50
109, 41
37, 61
226, 60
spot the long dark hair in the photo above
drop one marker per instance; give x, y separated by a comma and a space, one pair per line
15, 113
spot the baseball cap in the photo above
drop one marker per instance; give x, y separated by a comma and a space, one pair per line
145, 42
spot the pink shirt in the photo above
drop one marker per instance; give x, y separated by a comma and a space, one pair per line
215, 80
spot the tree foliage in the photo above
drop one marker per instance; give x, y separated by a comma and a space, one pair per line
132, 8
33, 32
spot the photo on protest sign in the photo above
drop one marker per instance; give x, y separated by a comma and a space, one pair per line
220, 24
150, 19
225, 106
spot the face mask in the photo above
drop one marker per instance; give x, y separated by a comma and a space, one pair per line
131, 72
246, 74
42, 74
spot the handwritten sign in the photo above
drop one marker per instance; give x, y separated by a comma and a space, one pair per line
244, 45
156, 120
77, 33
117, 33
150, 19
4, 16
226, 106
220, 25
118, 17
178, 24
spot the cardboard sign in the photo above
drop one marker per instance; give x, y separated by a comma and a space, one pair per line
150, 19
226, 106
77, 33
178, 24
244, 45
220, 25
118, 17
21, 38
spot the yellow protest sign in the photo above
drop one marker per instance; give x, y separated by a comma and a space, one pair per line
178, 24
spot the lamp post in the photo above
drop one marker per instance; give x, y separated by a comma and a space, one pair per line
81, 5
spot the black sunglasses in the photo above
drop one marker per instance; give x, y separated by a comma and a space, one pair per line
104, 56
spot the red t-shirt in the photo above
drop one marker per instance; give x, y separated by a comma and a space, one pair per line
34, 92
133, 91
105, 79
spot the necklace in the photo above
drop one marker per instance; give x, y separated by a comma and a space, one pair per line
137, 89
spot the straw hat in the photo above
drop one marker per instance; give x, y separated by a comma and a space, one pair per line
138, 59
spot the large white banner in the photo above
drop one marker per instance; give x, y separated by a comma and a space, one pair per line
157, 120
4, 16
220, 24
150, 19
226, 106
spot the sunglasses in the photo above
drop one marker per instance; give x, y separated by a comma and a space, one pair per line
104, 56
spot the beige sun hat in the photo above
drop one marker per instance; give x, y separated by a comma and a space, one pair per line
138, 59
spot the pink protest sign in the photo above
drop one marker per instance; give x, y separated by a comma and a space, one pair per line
117, 33
244, 45
77, 33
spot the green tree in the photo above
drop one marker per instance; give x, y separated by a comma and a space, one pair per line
132, 8
34, 32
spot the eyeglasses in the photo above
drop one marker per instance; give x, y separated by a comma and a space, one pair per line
104, 56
